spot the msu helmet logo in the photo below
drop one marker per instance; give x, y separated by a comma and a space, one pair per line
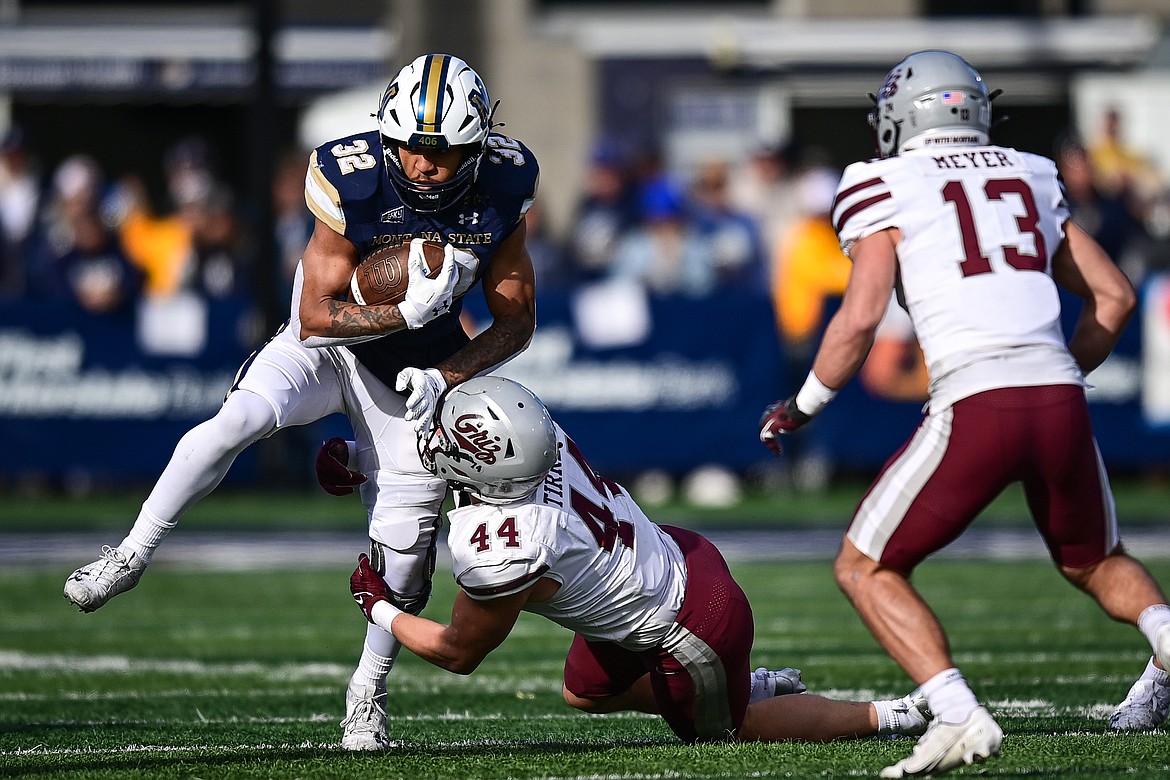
472, 438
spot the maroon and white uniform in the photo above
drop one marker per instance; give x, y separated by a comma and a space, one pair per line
978, 229
640, 597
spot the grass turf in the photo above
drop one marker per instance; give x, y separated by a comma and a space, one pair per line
200, 674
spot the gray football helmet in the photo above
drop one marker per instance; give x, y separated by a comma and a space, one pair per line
491, 437
931, 98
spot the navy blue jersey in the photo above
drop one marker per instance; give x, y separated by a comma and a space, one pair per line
348, 189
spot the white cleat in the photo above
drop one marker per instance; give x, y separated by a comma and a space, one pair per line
364, 725
115, 572
1145, 707
908, 716
946, 746
767, 683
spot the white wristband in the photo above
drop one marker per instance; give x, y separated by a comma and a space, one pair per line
814, 395
383, 615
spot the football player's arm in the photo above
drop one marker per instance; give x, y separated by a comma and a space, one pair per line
328, 318
476, 628
850, 332
1083, 268
509, 287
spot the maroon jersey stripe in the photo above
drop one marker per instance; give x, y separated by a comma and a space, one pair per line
861, 205
843, 194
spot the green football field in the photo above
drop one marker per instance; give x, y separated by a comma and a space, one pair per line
211, 674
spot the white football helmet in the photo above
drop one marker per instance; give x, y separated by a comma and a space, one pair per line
436, 102
492, 437
931, 98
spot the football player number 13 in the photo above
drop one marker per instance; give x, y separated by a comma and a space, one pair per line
975, 261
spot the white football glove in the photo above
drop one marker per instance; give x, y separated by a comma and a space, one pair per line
426, 387
427, 298
466, 264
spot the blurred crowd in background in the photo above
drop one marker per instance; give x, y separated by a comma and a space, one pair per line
74, 236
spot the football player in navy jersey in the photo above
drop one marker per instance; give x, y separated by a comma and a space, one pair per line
431, 171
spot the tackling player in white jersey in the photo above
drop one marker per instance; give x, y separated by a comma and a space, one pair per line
975, 239
660, 625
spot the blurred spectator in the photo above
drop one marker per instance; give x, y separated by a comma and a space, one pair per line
162, 244
94, 272
737, 247
666, 253
1107, 217
895, 369
809, 270
220, 255
606, 211
1118, 167
549, 258
20, 194
765, 188
810, 266
82, 260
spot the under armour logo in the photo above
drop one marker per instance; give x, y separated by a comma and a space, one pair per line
469, 219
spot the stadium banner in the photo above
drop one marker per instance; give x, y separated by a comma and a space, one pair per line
640, 381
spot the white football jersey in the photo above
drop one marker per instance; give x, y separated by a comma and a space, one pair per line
621, 578
979, 227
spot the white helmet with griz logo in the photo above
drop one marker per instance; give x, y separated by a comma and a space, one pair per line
436, 102
931, 98
492, 437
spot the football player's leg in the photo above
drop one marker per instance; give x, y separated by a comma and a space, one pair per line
601, 677
403, 502
924, 498
1072, 505
282, 384
408, 574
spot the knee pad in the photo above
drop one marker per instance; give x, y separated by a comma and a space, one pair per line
413, 602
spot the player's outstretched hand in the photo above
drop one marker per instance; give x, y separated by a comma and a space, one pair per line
780, 417
368, 587
333, 470
426, 388
427, 298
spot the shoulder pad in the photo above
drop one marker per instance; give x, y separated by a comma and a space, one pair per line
509, 173
484, 564
343, 174
864, 202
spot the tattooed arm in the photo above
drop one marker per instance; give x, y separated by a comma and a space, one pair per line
509, 287
327, 318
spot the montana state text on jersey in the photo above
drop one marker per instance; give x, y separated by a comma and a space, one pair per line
348, 189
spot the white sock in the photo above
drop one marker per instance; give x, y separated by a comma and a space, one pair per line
891, 719
950, 698
145, 536
200, 461
1160, 676
378, 656
1151, 621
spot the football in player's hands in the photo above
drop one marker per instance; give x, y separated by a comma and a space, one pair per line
382, 277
